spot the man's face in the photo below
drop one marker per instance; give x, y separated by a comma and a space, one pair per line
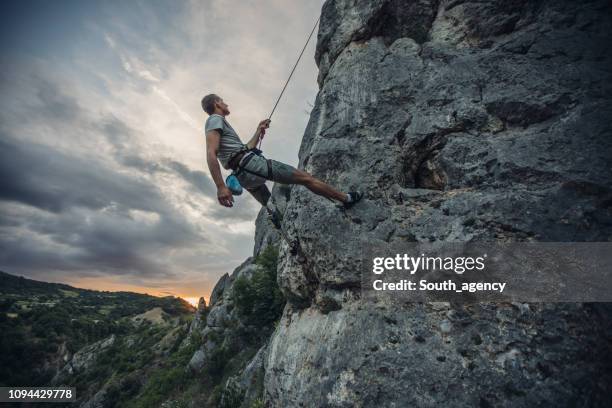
223, 106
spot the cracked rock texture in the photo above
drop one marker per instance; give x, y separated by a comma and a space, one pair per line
462, 121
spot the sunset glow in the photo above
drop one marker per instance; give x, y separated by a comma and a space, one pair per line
192, 300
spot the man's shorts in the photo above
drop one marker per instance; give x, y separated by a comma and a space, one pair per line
255, 172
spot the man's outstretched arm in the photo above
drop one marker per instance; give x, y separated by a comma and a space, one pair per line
224, 195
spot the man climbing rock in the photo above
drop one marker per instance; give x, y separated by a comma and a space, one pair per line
250, 167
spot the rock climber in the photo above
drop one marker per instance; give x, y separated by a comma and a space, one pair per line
250, 167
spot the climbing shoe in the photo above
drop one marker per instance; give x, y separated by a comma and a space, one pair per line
354, 198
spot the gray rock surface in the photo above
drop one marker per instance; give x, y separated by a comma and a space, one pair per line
253, 374
423, 355
462, 121
97, 401
250, 381
199, 319
218, 290
197, 360
83, 359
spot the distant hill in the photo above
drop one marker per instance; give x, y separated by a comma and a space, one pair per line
54, 333
18, 293
16, 284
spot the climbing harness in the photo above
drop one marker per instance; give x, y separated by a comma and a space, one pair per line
243, 158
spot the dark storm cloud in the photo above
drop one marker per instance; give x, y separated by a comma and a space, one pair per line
51, 180
19, 254
91, 244
116, 132
141, 164
56, 105
197, 179
113, 242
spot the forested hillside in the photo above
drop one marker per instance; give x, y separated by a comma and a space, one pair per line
55, 334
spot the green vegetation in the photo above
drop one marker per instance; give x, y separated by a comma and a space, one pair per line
258, 300
38, 320
258, 403
139, 379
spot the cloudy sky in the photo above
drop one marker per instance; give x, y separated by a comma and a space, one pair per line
103, 176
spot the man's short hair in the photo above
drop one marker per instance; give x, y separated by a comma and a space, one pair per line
208, 103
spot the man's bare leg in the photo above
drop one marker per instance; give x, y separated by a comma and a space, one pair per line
318, 187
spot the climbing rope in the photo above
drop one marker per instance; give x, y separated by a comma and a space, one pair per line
288, 79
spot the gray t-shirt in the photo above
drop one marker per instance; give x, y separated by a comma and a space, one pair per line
230, 143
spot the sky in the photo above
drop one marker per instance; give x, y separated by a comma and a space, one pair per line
103, 175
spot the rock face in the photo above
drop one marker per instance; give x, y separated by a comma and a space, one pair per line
462, 121
83, 359
199, 318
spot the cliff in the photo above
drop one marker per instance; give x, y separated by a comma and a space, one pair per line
462, 121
